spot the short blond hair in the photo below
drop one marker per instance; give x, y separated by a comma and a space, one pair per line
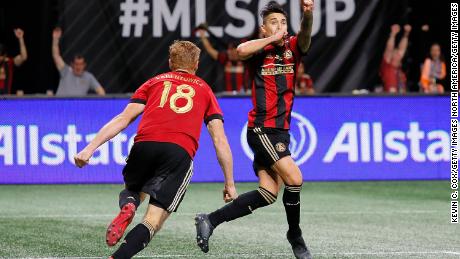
184, 55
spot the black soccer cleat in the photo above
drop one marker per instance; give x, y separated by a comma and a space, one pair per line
204, 230
299, 247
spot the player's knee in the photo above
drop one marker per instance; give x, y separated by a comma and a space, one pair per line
298, 181
268, 196
294, 179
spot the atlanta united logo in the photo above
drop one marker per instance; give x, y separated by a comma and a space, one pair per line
304, 140
288, 54
280, 147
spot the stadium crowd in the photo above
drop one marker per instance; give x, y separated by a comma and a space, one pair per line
405, 45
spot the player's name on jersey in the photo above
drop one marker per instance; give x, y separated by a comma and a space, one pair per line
178, 77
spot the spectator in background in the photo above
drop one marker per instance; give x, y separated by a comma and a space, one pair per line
433, 71
303, 82
233, 67
75, 80
7, 63
393, 77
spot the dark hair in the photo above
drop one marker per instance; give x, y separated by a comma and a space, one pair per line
441, 57
78, 56
272, 7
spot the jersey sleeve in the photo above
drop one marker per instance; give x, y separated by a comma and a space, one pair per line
213, 111
142, 93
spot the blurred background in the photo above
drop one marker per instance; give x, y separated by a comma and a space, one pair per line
346, 53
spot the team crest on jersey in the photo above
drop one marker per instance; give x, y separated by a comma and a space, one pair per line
280, 147
288, 54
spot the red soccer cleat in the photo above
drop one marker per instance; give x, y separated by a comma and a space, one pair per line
119, 224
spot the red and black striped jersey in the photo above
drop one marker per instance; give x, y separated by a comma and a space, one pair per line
234, 72
272, 75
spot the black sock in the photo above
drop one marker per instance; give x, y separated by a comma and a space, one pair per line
136, 240
129, 197
242, 206
291, 201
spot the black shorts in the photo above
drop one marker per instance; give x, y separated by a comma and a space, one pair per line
162, 170
269, 145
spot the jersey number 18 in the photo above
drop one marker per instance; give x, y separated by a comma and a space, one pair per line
190, 92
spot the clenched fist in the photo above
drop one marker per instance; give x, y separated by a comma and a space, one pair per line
19, 33
57, 33
395, 29
82, 158
308, 5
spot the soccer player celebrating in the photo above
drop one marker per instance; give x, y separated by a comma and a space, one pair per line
160, 162
272, 62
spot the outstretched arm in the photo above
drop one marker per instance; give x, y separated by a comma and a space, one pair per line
390, 46
207, 45
304, 36
58, 61
19, 59
247, 49
110, 130
224, 156
402, 46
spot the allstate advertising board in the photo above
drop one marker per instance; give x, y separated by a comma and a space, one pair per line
332, 138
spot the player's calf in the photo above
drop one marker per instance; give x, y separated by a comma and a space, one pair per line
241, 206
291, 202
136, 240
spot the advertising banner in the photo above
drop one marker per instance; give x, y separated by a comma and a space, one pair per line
332, 138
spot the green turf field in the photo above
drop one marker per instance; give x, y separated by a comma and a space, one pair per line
339, 220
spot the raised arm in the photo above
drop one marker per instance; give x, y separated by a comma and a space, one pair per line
58, 61
304, 36
19, 59
207, 45
224, 156
247, 49
443, 71
390, 46
402, 46
100, 91
110, 130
